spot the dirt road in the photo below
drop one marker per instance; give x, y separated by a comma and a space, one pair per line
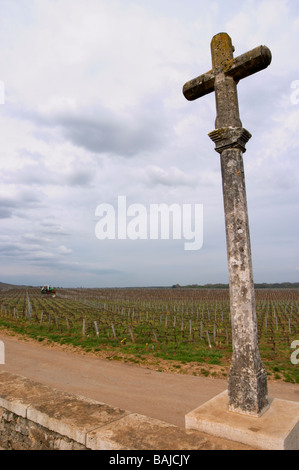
161, 395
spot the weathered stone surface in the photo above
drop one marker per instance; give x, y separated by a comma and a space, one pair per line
238, 68
18, 433
247, 383
63, 421
276, 429
230, 137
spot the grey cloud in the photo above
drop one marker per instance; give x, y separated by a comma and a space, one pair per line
170, 177
11, 249
34, 238
38, 174
34, 253
100, 130
79, 177
74, 267
8, 202
5, 213
110, 134
24, 251
15, 205
7, 206
53, 229
59, 232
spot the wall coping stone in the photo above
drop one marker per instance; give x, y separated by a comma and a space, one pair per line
96, 425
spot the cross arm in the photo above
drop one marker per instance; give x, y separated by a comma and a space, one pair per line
199, 86
239, 67
249, 63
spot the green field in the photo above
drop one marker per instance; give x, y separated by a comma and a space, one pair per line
180, 325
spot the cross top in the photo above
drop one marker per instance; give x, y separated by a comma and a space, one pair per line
224, 77
222, 51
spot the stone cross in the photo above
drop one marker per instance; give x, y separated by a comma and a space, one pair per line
247, 380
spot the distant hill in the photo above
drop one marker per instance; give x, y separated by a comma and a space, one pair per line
5, 285
264, 285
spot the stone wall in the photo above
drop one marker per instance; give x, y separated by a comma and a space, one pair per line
37, 417
17, 433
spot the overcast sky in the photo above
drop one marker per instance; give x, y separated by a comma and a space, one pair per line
94, 110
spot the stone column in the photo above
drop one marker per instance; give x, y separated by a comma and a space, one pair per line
247, 381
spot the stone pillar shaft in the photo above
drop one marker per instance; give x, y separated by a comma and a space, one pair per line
247, 382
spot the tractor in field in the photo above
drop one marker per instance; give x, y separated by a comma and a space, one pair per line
48, 290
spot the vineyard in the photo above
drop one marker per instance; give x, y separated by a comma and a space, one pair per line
180, 325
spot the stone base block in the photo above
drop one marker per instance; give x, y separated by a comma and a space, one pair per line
276, 429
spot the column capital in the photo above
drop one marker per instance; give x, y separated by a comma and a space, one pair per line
230, 137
